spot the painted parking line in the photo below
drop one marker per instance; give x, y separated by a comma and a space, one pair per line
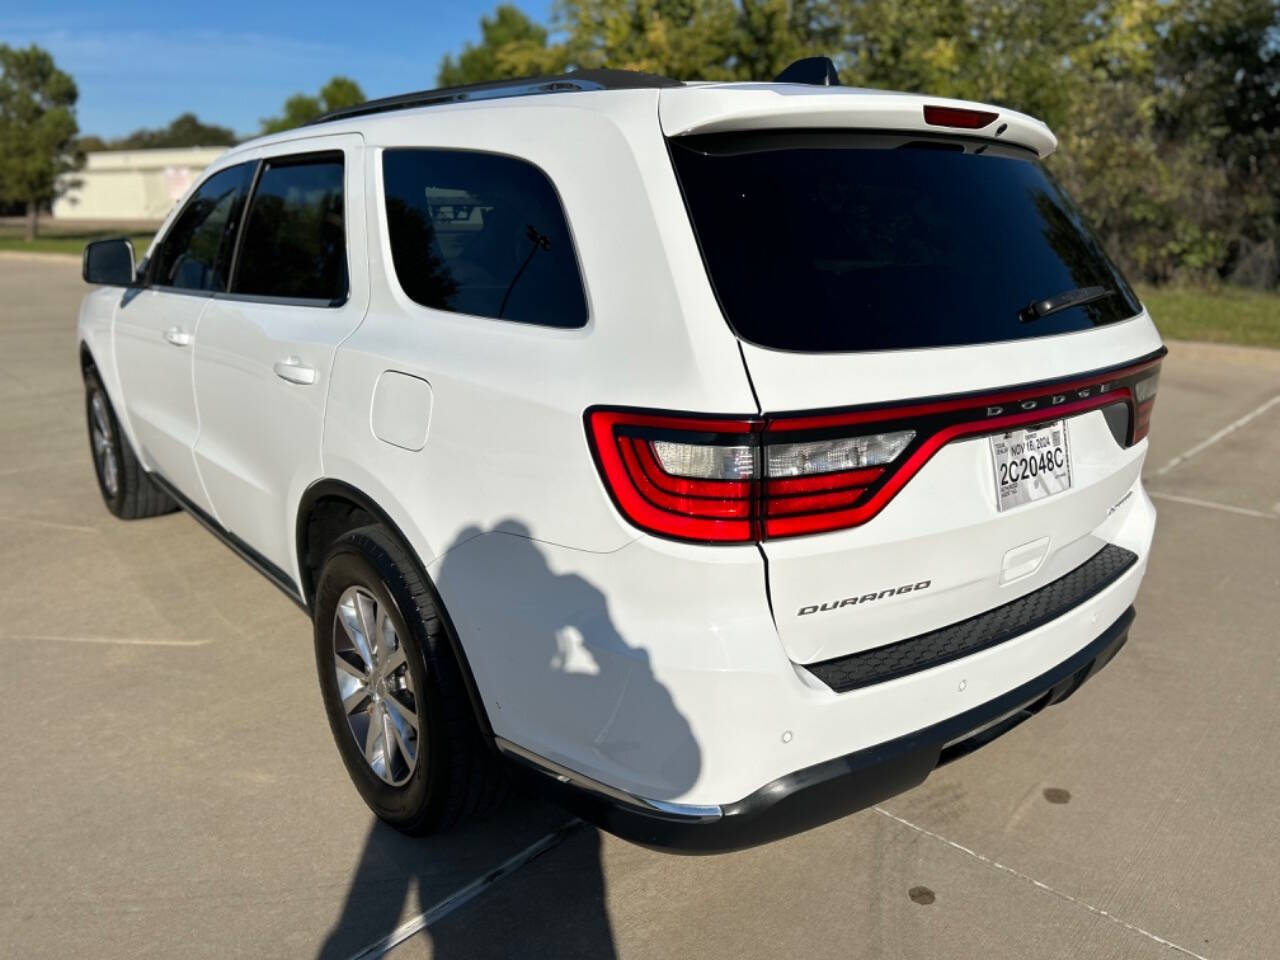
110, 641
1226, 507
50, 524
467, 893
1041, 885
1224, 432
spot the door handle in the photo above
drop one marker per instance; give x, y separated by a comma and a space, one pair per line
178, 337
294, 370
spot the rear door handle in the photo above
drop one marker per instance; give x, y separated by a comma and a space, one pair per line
294, 370
178, 337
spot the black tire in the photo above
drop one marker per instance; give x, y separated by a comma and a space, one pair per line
133, 494
457, 774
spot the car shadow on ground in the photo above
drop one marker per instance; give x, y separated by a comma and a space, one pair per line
400, 878
567, 674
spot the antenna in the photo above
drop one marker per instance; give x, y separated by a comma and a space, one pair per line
815, 71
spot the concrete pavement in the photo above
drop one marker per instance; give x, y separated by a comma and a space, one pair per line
168, 785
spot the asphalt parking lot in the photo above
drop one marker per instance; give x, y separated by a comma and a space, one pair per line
168, 786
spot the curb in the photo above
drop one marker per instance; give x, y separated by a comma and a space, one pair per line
39, 256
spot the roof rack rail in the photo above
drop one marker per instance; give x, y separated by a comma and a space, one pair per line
603, 79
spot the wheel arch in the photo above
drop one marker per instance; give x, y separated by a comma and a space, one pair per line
106, 376
327, 509
96, 353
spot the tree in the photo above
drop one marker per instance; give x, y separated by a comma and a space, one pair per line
1219, 64
676, 38
512, 45
185, 130
770, 35
302, 108
37, 129
1033, 56
1167, 111
684, 39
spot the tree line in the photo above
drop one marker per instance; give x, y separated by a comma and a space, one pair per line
187, 130
40, 146
1167, 111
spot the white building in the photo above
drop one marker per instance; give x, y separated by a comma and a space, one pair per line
132, 184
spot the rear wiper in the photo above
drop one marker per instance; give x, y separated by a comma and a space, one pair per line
1037, 309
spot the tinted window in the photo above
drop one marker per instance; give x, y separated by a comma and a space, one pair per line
837, 242
295, 242
481, 234
196, 252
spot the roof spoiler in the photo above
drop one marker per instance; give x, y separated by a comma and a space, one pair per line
815, 71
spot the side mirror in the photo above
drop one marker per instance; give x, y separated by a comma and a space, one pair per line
109, 263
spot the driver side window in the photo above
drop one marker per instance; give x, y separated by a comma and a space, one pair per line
196, 253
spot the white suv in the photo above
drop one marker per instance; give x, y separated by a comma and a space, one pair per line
728, 456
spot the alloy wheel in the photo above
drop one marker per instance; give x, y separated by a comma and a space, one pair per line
376, 686
104, 448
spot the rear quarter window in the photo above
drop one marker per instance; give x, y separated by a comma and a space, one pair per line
481, 234
835, 242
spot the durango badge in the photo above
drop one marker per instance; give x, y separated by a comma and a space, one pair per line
865, 598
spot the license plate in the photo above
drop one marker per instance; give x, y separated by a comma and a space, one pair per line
1031, 464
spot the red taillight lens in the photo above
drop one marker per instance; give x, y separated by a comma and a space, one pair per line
811, 485
741, 479
712, 496
959, 117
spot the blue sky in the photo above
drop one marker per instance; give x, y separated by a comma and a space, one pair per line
140, 64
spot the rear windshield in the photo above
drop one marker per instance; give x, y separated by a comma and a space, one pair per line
831, 242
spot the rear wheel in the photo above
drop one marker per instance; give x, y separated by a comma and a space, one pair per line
126, 488
392, 691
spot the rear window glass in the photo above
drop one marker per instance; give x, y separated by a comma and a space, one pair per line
295, 242
482, 234
835, 242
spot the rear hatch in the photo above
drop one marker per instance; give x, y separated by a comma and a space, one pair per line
954, 379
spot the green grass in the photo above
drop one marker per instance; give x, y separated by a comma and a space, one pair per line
1227, 315
60, 240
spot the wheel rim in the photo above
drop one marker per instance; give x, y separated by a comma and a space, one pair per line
104, 447
375, 686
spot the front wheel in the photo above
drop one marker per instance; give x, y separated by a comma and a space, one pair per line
392, 691
126, 488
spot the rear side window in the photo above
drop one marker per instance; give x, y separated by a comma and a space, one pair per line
295, 241
830, 242
481, 234
196, 252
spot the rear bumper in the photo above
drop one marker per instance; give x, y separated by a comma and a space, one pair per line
826, 791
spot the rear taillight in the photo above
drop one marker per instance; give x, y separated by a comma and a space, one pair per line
742, 479
691, 478
811, 485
